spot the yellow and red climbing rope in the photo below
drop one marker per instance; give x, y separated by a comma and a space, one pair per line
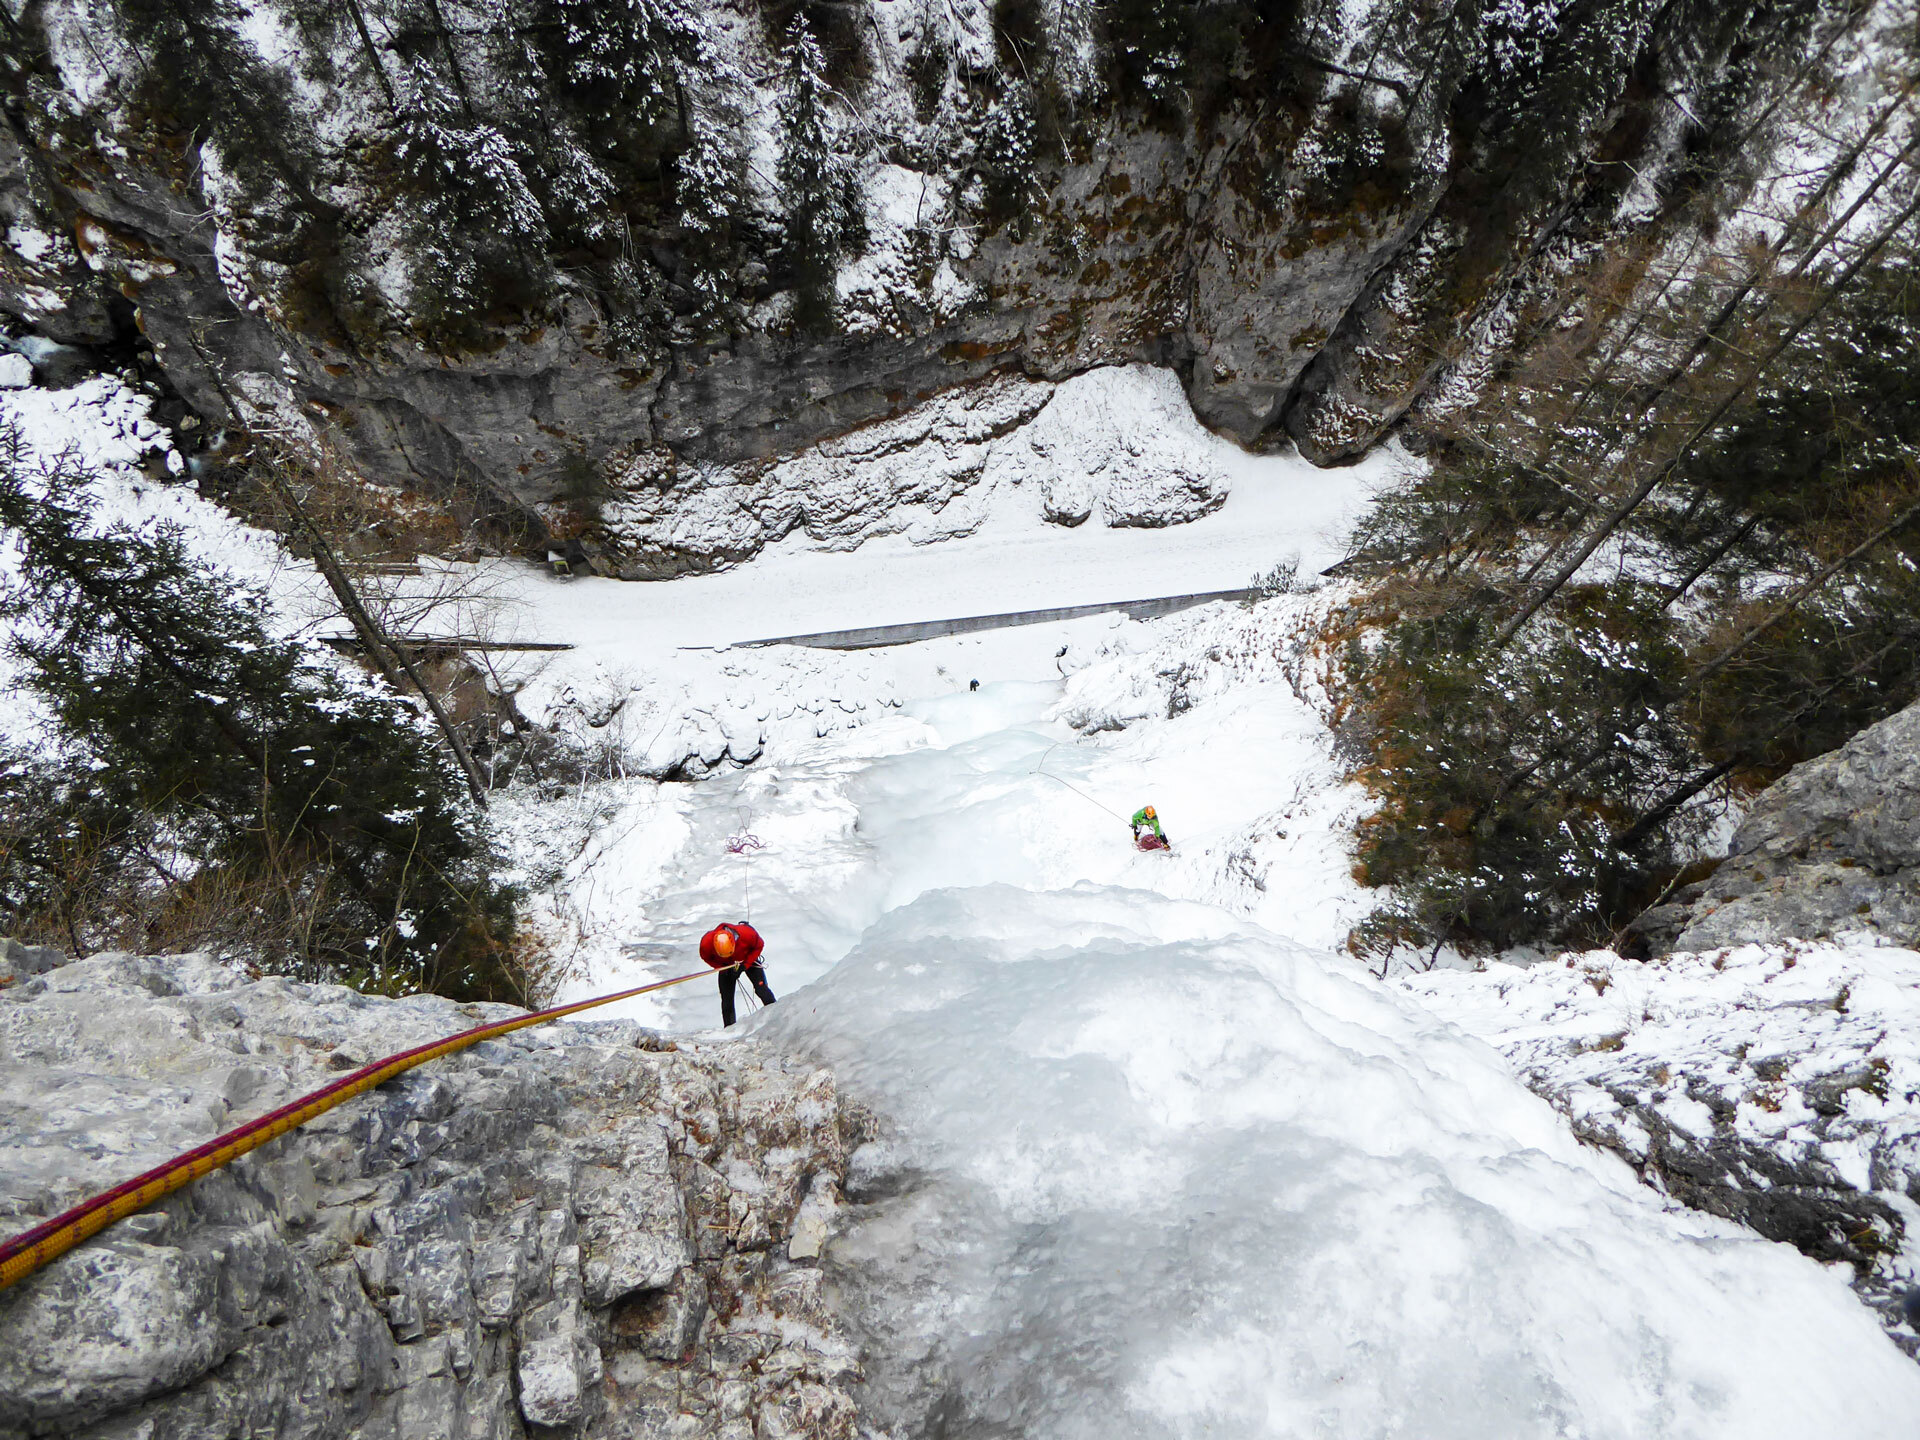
47, 1241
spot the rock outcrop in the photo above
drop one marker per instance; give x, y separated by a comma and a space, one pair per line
1776, 1086
1832, 847
575, 1230
531, 249
1117, 444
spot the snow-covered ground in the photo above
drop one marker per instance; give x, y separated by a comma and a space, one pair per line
949, 786
1724, 1042
1157, 1173
1276, 507
1778, 1084
1157, 1159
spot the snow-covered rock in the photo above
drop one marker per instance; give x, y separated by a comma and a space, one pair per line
1198, 655
908, 474
1775, 1085
1832, 847
102, 422
577, 1225
1313, 247
1121, 443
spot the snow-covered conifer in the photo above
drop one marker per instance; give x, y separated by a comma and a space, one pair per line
1074, 54
819, 193
711, 201
1152, 40
574, 189
1005, 149
623, 54
467, 159
308, 817
479, 220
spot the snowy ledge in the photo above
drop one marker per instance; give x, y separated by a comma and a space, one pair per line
1774, 1085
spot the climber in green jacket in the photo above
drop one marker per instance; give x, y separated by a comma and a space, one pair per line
1147, 821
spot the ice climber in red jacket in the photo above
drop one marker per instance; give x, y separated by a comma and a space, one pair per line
734, 950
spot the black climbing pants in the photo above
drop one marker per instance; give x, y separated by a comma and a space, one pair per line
730, 977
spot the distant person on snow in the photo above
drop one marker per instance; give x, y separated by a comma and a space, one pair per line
734, 950
1147, 821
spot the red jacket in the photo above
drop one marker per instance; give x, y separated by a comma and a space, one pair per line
747, 946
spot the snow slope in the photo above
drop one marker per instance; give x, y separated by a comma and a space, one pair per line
1779, 1083
1154, 1173
107, 426
1150, 1168
634, 873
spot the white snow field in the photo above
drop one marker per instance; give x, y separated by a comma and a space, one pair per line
1161, 1174
1152, 1169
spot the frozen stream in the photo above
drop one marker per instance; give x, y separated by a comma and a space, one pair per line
1159, 1171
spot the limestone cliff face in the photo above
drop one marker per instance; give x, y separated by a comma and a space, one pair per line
1833, 846
576, 1230
537, 247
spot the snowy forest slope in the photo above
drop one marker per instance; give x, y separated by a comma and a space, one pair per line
534, 249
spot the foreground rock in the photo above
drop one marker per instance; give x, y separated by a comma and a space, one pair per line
575, 1230
1777, 1086
1833, 847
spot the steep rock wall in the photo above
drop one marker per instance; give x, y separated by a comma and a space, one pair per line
1831, 847
575, 1230
528, 245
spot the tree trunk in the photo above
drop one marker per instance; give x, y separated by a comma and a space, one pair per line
1659, 473
390, 658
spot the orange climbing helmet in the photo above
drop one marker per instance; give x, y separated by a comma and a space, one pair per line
736, 943
1148, 812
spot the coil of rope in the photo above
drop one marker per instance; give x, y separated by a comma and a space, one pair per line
47, 1241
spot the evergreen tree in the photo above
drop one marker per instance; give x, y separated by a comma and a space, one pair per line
1547, 753
620, 59
314, 802
711, 205
575, 191
71, 832
819, 194
480, 235
1008, 140
1151, 40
